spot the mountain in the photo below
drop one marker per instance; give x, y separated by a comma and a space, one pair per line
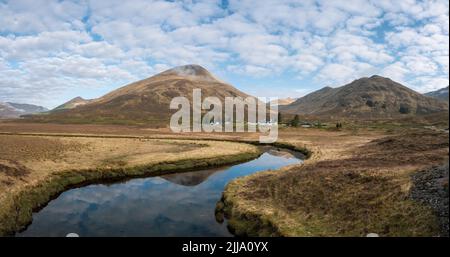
374, 97
284, 101
441, 94
7, 111
146, 101
15, 110
75, 102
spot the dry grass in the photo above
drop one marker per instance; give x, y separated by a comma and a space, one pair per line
346, 189
34, 168
356, 181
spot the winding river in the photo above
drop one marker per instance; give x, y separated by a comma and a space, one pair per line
179, 204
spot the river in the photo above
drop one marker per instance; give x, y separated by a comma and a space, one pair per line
180, 204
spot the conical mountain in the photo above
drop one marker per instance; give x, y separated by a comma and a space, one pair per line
73, 103
147, 100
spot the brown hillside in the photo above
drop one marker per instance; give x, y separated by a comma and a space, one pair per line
147, 100
75, 102
374, 97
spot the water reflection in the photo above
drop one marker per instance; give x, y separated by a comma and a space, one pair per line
192, 178
171, 205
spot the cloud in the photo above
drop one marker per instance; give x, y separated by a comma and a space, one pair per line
64, 47
29, 17
347, 47
420, 64
256, 71
338, 74
427, 84
396, 71
41, 45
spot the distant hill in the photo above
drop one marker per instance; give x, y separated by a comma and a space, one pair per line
441, 94
75, 102
15, 110
285, 101
146, 101
366, 98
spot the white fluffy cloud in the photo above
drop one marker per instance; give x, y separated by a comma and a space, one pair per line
35, 16
51, 47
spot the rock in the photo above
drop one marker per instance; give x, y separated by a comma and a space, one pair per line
431, 187
372, 235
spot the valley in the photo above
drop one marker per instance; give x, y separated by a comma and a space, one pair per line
362, 148
33, 169
357, 179
225, 128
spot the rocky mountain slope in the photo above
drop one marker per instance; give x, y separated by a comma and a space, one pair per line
367, 98
441, 94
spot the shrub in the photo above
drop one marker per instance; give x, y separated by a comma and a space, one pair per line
296, 121
404, 109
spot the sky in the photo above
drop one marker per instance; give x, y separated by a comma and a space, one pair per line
52, 51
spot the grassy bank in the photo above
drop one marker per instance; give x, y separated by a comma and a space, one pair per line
354, 181
343, 190
45, 167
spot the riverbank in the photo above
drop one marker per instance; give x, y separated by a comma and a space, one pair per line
35, 169
356, 181
344, 189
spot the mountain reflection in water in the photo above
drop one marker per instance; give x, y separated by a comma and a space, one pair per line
192, 178
171, 205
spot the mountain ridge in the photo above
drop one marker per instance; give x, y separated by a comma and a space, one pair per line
147, 100
72, 103
441, 94
367, 97
15, 110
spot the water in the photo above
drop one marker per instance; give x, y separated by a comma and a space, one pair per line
180, 204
